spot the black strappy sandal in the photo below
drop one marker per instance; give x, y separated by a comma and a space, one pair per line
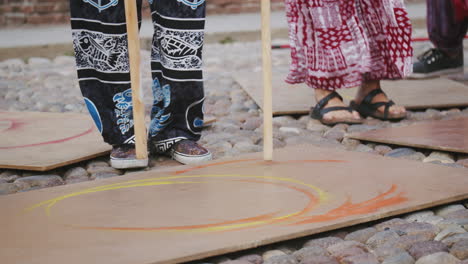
319, 111
367, 108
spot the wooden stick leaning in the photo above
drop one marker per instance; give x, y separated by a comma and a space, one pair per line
134, 58
267, 94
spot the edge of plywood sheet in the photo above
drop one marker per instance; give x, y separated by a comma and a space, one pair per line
292, 112
383, 135
55, 165
209, 120
443, 93
42, 125
398, 143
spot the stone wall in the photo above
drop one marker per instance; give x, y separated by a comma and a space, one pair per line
33, 12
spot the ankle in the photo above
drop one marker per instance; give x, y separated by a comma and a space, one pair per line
365, 88
321, 93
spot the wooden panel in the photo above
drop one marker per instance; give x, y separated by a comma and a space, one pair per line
298, 99
189, 213
209, 120
44, 141
445, 135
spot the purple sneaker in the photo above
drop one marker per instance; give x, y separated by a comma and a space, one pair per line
189, 152
124, 157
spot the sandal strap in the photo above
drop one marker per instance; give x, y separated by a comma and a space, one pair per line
375, 106
371, 95
335, 108
319, 110
324, 101
387, 108
387, 105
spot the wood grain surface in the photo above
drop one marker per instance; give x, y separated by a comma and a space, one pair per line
138, 107
445, 135
44, 141
267, 78
298, 99
188, 213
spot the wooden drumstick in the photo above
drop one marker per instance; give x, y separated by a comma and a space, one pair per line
134, 58
267, 94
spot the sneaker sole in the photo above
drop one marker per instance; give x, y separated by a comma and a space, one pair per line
435, 74
129, 164
190, 159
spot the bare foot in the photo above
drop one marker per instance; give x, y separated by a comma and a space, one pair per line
335, 115
367, 87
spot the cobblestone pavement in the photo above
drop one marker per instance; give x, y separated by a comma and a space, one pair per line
437, 236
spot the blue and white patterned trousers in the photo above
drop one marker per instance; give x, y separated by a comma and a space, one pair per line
101, 51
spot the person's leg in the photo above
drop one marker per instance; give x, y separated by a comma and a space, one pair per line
304, 21
100, 43
370, 85
176, 64
388, 30
335, 116
447, 34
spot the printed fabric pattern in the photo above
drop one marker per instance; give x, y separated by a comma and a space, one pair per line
340, 43
101, 51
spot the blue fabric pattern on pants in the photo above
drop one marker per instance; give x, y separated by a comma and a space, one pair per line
123, 111
192, 3
159, 120
102, 4
93, 111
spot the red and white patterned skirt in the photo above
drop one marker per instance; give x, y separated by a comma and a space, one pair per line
339, 43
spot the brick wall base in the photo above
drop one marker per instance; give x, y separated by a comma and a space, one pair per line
34, 12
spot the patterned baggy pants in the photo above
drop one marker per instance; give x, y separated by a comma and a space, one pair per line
445, 32
341, 43
101, 51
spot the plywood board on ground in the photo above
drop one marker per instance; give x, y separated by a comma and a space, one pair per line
191, 213
209, 120
298, 99
445, 135
44, 141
